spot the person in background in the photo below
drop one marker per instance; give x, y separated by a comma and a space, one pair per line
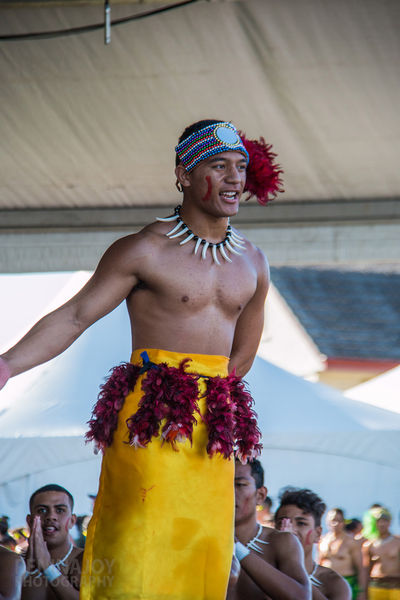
53, 563
382, 560
369, 530
271, 562
6, 540
12, 570
264, 514
300, 512
21, 536
354, 528
338, 551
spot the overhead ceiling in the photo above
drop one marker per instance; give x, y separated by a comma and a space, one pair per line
88, 125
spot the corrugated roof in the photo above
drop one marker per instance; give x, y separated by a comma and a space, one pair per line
348, 314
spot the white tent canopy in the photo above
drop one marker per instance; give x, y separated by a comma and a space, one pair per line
381, 391
90, 125
345, 450
314, 437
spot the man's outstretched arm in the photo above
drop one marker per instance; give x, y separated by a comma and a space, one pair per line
111, 283
250, 324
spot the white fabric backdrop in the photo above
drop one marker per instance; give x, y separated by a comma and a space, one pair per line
313, 436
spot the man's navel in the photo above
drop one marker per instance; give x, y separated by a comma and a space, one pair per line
185, 299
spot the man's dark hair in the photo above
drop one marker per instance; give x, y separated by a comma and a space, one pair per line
257, 471
267, 502
305, 499
192, 129
352, 525
51, 487
3, 525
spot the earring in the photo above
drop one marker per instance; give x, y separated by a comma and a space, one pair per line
178, 186
259, 507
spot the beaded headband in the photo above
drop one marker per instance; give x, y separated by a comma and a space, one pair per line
213, 139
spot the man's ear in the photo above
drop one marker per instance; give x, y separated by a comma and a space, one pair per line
29, 520
182, 176
262, 493
72, 520
318, 533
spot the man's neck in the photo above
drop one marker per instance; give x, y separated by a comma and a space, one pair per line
247, 530
384, 536
58, 552
203, 224
308, 561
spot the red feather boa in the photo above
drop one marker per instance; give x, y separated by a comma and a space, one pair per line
104, 419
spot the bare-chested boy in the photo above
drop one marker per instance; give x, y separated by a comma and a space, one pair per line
300, 512
195, 290
53, 562
340, 552
382, 561
271, 562
12, 571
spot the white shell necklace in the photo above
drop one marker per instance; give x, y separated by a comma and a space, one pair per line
59, 563
232, 242
254, 543
312, 577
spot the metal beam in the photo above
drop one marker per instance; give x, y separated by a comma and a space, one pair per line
282, 214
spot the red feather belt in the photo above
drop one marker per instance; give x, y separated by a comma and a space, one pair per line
169, 405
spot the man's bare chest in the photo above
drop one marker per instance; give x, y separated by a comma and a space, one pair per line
389, 551
194, 284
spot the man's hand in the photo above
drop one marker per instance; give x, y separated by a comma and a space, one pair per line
234, 574
5, 373
286, 525
41, 554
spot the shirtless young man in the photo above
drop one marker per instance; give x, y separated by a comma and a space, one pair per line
196, 315
271, 562
300, 512
340, 552
53, 563
382, 560
12, 571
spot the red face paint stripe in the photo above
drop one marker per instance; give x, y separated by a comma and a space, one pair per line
209, 189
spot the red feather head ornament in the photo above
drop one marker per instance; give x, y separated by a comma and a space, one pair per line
263, 176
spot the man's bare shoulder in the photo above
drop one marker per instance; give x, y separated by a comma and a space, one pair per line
326, 539
11, 560
76, 554
148, 236
280, 542
135, 248
257, 258
253, 250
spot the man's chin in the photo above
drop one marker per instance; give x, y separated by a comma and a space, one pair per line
52, 539
230, 209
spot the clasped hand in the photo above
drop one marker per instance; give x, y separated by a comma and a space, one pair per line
38, 556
